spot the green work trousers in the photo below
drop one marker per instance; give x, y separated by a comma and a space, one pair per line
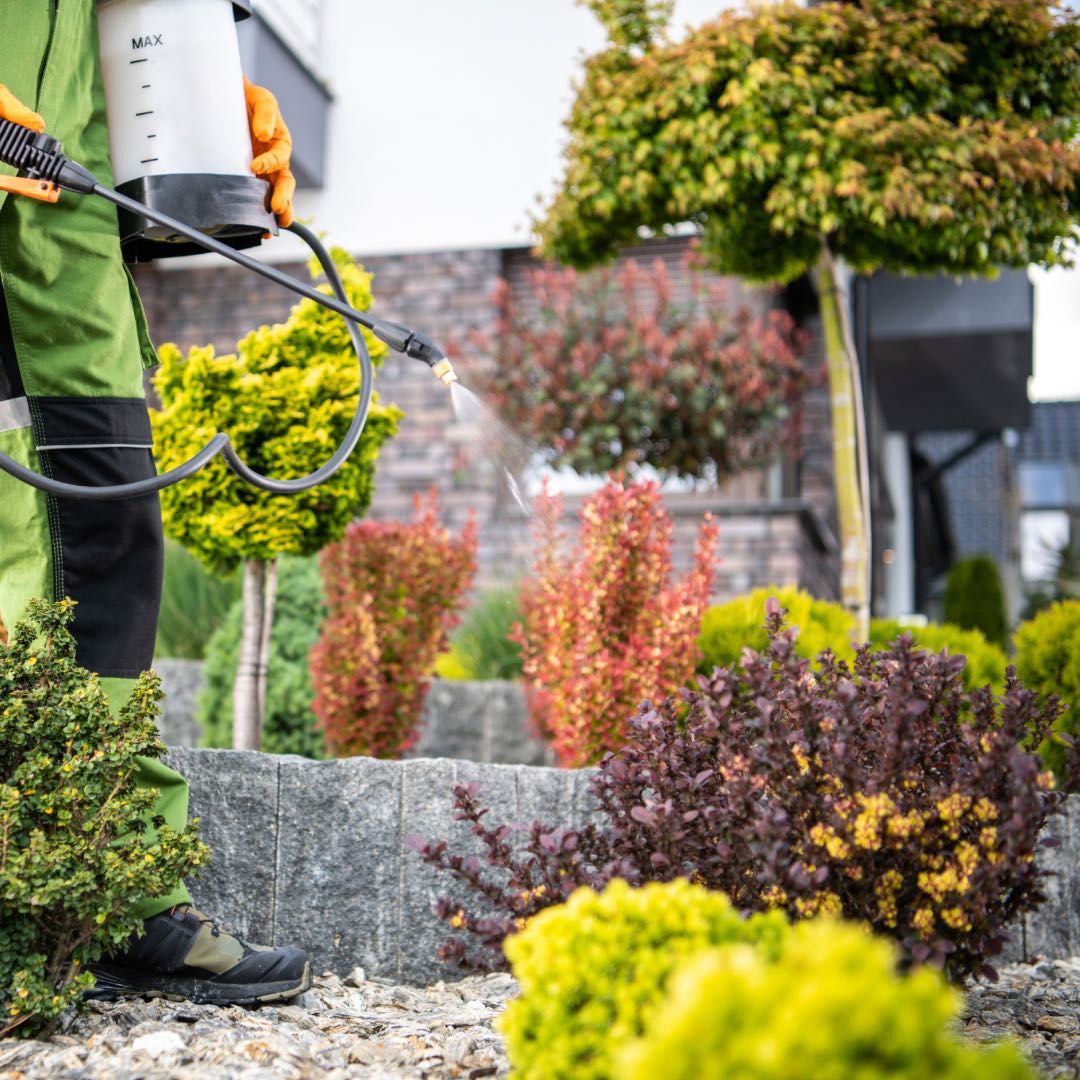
73, 347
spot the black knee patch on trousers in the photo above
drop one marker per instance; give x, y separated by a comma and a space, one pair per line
108, 556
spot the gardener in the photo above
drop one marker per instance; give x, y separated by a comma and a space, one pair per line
73, 345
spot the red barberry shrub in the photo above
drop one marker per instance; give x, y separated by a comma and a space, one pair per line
886, 794
393, 590
604, 370
603, 626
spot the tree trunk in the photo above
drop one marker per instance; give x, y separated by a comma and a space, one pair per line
850, 465
249, 690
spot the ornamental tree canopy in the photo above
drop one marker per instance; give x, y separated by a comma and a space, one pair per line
914, 135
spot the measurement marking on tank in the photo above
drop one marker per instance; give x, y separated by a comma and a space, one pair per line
146, 86
140, 61
147, 112
151, 136
147, 160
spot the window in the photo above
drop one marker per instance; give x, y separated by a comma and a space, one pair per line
1043, 533
1043, 484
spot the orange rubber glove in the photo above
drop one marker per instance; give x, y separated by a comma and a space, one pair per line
11, 108
271, 144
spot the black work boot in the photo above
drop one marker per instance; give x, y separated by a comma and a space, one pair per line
183, 954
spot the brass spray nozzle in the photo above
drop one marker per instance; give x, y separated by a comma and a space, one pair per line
445, 372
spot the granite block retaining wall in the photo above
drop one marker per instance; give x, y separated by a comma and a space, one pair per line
315, 853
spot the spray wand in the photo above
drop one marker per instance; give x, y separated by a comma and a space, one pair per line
45, 172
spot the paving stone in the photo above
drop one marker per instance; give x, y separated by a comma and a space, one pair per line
234, 793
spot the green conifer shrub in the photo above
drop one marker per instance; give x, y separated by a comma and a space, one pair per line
73, 856
591, 970
831, 1005
975, 598
290, 727
286, 398
1048, 660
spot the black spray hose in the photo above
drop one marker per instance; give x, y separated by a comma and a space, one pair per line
221, 443
40, 157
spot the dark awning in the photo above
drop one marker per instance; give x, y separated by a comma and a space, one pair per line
949, 354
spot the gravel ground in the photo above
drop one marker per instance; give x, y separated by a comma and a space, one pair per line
368, 1029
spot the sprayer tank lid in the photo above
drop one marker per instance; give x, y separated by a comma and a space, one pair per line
241, 8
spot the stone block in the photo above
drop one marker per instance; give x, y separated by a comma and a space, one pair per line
339, 862
1053, 930
451, 727
427, 797
514, 795
234, 793
547, 795
585, 805
181, 680
478, 721
512, 738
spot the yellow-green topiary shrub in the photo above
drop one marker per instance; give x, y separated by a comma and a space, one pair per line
1048, 660
592, 969
286, 399
831, 1007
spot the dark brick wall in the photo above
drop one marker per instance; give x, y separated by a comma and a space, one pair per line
448, 294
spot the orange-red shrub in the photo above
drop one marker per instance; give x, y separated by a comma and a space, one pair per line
393, 590
603, 626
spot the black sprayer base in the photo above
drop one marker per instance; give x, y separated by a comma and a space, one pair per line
232, 209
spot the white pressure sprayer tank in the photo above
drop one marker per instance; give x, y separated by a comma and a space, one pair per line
178, 129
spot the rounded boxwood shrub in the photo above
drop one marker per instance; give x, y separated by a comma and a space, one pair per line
975, 598
290, 724
821, 624
592, 968
75, 854
832, 1005
729, 628
1048, 660
985, 665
